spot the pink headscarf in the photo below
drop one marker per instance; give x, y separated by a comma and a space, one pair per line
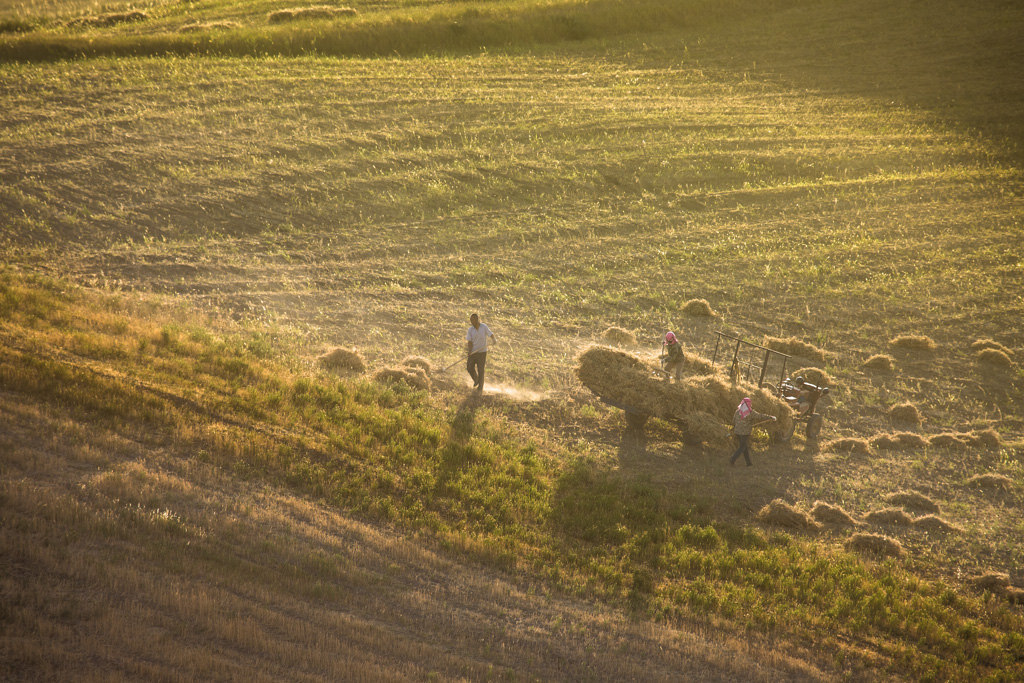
670, 338
744, 408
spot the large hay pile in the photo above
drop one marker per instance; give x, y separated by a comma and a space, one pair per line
697, 400
699, 308
780, 513
889, 516
827, 513
110, 19
991, 481
912, 500
980, 344
995, 358
906, 413
342, 360
913, 342
880, 362
411, 375
897, 441
618, 336
795, 347
815, 376
874, 544
934, 524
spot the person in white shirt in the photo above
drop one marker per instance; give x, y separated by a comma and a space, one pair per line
477, 338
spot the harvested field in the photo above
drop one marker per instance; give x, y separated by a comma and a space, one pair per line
889, 517
882, 363
780, 513
827, 513
699, 308
342, 360
912, 500
796, 348
874, 544
618, 336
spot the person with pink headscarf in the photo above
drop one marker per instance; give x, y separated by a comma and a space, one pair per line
672, 357
743, 422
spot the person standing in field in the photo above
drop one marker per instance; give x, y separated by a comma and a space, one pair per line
672, 355
743, 422
478, 336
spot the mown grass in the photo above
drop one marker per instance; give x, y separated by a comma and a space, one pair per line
394, 455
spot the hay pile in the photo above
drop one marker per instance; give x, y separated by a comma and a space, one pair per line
874, 544
699, 308
913, 342
982, 344
208, 26
934, 524
618, 336
985, 438
994, 358
906, 413
110, 19
832, 514
314, 12
795, 347
411, 375
912, 500
418, 362
700, 399
897, 441
991, 481
880, 363
780, 513
815, 376
342, 360
993, 582
889, 516
848, 445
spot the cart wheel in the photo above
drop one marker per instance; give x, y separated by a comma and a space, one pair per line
636, 420
814, 427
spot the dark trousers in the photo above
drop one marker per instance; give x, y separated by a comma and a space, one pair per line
742, 448
475, 366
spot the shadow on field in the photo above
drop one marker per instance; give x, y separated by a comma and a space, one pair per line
465, 419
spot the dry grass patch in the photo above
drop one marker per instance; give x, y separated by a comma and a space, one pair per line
699, 308
342, 360
889, 517
897, 441
847, 445
994, 358
912, 500
827, 513
780, 513
411, 375
874, 544
313, 12
881, 362
796, 347
906, 413
913, 342
934, 524
618, 336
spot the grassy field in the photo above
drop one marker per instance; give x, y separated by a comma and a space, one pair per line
189, 219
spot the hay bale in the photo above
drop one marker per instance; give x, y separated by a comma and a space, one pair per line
848, 445
897, 441
981, 344
411, 376
906, 413
913, 342
418, 362
110, 19
313, 12
874, 544
780, 513
880, 363
795, 347
208, 26
697, 365
624, 378
342, 360
618, 336
948, 440
993, 582
832, 514
912, 500
889, 516
994, 358
991, 481
934, 524
815, 376
699, 308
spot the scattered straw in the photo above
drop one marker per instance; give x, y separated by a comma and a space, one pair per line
795, 347
411, 375
848, 445
912, 500
618, 336
906, 413
995, 358
880, 363
934, 524
990, 344
832, 514
874, 544
208, 26
991, 481
780, 513
699, 308
342, 360
994, 582
913, 342
315, 12
891, 516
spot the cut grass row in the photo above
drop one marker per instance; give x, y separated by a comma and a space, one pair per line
474, 487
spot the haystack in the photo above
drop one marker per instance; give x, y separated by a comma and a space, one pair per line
815, 376
832, 514
948, 440
988, 438
913, 342
342, 360
847, 445
880, 362
993, 582
897, 441
780, 513
110, 19
795, 347
314, 12
618, 336
699, 308
980, 344
889, 516
991, 481
625, 379
994, 358
413, 376
874, 544
934, 524
208, 26
418, 362
906, 413
912, 500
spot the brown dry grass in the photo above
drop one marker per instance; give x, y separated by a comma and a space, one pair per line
912, 500
826, 513
880, 362
345, 360
913, 342
874, 544
699, 308
796, 347
618, 336
780, 513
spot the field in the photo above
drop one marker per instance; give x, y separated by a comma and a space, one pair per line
190, 218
